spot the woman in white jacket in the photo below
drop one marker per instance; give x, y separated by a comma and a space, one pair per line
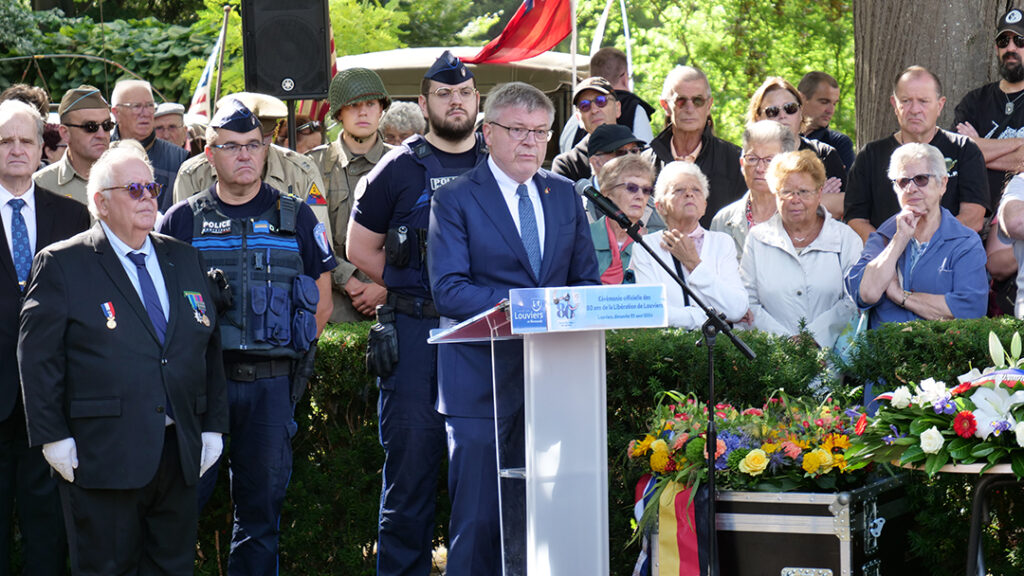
793, 265
705, 260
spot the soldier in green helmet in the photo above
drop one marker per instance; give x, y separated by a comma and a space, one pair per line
358, 101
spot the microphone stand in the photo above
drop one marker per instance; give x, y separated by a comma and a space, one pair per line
710, 329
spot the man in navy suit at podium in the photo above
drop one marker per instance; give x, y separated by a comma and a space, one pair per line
504, 224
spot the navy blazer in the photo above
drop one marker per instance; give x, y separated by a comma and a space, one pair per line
106, 384
475, 256
57, 218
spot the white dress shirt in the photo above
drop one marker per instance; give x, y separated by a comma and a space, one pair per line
28, 212
508, 188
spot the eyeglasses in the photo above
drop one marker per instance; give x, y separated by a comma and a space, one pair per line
1004, 40
464, 93
624, 151
799, 194
309, 127
753, 161
139, 189
921, 180
521, 133
94, 127
790, 108
635, 188
600, 101
698, 101
235, 148
138, 107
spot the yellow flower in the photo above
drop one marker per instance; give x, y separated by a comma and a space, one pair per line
659, 456
818, 461
643, 446
834, 441
839, 461
754, 462
770, 447
811, 462
668, 425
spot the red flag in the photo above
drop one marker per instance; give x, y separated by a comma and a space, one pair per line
538, 26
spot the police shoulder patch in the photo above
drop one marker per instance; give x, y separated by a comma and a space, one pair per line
320, 236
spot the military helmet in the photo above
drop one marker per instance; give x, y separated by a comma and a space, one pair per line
355, 85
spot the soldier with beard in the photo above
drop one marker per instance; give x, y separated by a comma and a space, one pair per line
993, 115
387, 241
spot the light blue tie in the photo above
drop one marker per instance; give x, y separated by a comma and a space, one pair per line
20, 249
528, 229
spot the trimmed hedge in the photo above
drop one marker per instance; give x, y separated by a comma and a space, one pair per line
330, 517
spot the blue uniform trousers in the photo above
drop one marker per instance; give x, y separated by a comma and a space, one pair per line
260, 461
412, 434
476, 539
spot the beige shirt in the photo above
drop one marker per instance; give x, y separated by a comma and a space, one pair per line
341, 171
286, 171
62, 179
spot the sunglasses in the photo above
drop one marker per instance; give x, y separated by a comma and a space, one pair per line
698, 101
635, 188
308, 127
138, 189
773, 111
93, 127
1004, 40
600, 101
921, 180
624, 151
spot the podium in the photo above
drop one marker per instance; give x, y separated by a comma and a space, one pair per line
566, 436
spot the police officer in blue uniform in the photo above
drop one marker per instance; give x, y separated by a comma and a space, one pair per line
275, 259
387, 241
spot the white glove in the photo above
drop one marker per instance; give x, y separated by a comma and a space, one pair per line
213, 444
62, 455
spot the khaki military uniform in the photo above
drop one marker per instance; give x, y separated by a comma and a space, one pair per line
61, 178
341, 171
286, 170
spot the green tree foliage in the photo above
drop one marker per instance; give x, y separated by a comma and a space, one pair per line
149, 48
738, 43
182, 12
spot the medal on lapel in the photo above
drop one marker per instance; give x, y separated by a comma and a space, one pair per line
111, 316
195, 300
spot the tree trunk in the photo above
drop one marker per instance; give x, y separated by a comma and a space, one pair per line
68, 6
952, 38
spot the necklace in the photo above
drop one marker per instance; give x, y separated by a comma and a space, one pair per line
1010, 105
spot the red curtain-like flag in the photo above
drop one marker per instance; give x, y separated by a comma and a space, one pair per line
538, 26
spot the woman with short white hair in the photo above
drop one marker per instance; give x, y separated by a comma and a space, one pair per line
705, 260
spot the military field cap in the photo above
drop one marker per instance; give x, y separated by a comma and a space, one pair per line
609, 138
448, 69
1013, 21
595, 83
355, 85
84, 97
234, 116
263, 106
168, 108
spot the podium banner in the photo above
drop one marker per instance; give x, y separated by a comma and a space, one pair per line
563, 309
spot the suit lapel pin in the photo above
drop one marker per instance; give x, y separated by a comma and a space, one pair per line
546, 190
195, 300
108, 312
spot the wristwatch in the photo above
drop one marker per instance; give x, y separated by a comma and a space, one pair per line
906, 294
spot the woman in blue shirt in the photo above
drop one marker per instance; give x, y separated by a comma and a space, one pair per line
922, 263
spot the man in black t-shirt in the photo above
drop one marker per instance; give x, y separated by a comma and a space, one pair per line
821, 95
993, 115
917, 101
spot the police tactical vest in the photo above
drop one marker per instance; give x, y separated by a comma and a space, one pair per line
261, 260
407, 235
